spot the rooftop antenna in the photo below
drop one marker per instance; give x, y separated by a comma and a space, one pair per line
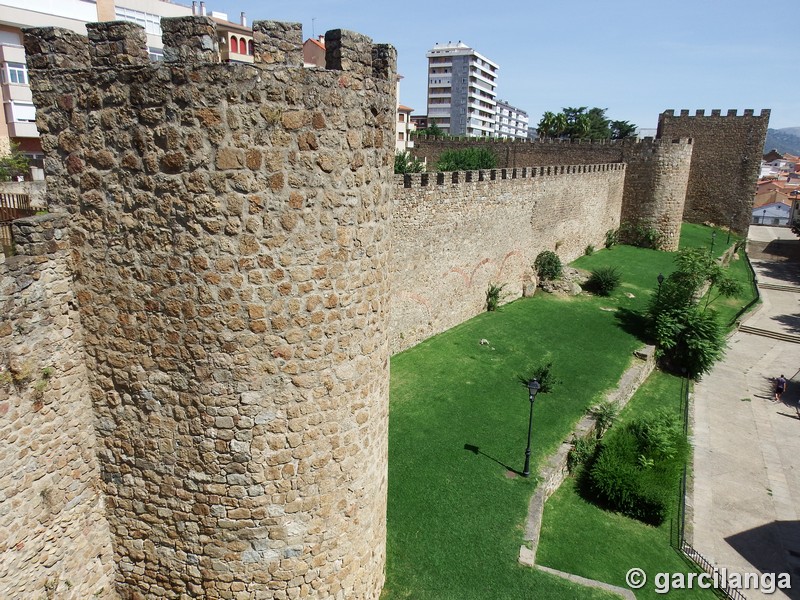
313, 32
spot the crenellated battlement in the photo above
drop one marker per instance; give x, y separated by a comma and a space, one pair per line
548, 142
229, 226
747, 112
454, 178
192, 41
732, 143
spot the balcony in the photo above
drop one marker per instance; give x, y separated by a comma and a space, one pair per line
22, 129
12, 53
17, 93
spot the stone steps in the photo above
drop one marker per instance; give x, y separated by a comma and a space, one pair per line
782, 288
777, 335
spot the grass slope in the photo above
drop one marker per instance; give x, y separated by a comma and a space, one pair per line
458, 423
610, 543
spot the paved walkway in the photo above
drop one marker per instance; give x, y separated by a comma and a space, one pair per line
746, 491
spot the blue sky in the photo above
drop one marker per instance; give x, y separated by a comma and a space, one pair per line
636, 58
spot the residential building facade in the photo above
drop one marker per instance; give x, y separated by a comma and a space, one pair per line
404, 128
18, 123
510, 121
462, 84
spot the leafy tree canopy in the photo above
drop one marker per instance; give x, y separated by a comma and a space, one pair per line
466, 159
583, 123
13, 164
405, 163
432, 130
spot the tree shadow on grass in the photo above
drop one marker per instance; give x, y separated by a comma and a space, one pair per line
477, 451
634, 323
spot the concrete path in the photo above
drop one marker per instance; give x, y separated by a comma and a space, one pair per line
746, 486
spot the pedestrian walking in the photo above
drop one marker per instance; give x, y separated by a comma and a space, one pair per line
780, 387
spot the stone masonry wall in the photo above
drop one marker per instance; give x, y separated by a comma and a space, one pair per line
655, 187
725, 163
453, 234
655, 176
54, 538
230, 228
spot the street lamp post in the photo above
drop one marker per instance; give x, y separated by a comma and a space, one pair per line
533, 387
763, 216
660, 279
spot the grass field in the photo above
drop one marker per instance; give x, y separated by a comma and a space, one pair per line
458, 426
572, 522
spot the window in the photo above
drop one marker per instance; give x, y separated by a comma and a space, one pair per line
234, 44
150, 22
401, 117
23, 111
155, 54
250, 48
400, 136
242, 46
16, 73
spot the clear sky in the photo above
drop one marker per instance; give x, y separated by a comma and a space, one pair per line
635, 58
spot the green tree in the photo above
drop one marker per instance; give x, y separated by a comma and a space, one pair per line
466, 159
552, 125
13, 164
688, 334
432, 130
583, 123
405, 163
622, 129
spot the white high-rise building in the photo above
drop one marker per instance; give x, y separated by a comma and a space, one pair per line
510, 122
461, 90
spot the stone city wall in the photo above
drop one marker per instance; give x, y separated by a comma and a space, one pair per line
655, 180
725, 163
54, 538
230, 231
454, 234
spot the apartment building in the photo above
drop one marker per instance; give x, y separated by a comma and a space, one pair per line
461, 90
18, 122
510, 121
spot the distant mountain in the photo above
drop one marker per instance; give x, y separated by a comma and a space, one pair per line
783, 140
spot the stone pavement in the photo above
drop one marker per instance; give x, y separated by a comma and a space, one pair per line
745, 499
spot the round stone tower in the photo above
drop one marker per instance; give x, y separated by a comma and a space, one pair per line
230, 235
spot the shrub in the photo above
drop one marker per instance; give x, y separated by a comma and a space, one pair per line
689, 338
605, 415
618, 481
638, 234
612, 238
405, 163
582, 451
548, 265
494, 295
466, 159
589, 250
544, 375
637, 468
604, 280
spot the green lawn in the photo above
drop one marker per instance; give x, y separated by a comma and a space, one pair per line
570, 522
455, 519
458, 424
